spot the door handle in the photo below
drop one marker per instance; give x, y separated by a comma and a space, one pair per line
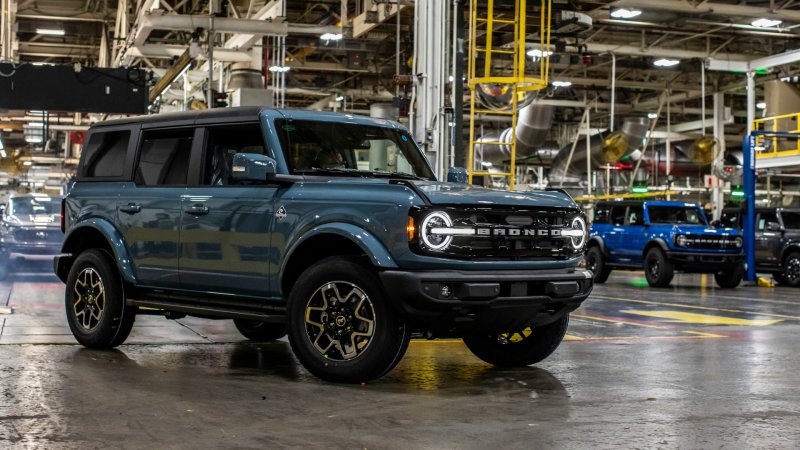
131, 208
198, 210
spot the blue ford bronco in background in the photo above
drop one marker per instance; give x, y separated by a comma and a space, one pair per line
662, 237
329, 227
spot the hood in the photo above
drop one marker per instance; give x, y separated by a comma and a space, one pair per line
704, 230
465, 194
34, 220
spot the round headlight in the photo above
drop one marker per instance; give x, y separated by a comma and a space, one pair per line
438, 219
738, 242
680, 240
578, 241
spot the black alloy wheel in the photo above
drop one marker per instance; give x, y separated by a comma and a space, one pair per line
657, 268
596, 262
791, 270
95, 302
521, 348
341, 326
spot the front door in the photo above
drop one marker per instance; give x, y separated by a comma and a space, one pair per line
225, 227
149, 208
768, 242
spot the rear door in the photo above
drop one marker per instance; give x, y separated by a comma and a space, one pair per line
149, 208
225, 230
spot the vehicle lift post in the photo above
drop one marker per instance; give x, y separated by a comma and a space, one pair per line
749, 189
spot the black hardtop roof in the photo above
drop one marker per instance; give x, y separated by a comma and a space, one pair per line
242, 112
762, 209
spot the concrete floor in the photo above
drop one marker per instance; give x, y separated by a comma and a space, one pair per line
686, 367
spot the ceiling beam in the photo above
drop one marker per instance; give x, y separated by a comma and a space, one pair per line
723, 9
171, 51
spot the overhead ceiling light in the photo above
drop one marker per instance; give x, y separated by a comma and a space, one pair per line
33, 139
50, 31
766, 23
331, 37
3, 153
279, 69
761, 105
28, 163
624, 13
664, 62
339, 98
536, 53
652, 115
562, 83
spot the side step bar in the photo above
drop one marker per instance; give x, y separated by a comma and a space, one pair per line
208, 310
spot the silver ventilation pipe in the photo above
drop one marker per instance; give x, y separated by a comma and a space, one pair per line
533, 125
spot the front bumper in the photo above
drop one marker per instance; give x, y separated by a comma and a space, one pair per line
704, 262
461, 302
29, 252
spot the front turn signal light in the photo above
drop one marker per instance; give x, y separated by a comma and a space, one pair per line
411, 228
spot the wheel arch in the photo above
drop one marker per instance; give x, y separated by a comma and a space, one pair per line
655, 243
597, 241
331, 240
789, 249
96, 233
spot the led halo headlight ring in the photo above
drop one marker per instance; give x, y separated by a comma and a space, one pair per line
437, 219
578, 241
738, 242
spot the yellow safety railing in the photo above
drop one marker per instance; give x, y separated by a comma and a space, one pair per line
484, 22
775, 146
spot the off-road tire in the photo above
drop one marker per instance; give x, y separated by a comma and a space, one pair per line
349, 278
502, 351
791, 270
657, 268
94, 271
596, 262
259, 331
730, 278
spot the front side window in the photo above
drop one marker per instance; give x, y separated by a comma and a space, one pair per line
676, 214
618, 215
164, 158
104, 154
765, 218
635, 215
223, 143
346, 149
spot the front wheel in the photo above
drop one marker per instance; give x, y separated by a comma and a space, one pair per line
731, 278
657, 268
791, 270
256, 330
341, 325
519, 349
596, 262
95, 301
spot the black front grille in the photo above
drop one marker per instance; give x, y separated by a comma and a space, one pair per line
710, 242
507, 233
39, 235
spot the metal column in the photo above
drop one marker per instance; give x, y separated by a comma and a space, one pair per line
749, 188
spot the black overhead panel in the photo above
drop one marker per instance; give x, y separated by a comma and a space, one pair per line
73, 88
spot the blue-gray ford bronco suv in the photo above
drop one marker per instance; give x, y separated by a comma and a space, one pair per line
330, 228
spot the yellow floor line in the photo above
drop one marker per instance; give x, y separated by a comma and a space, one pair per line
602, 319
706, 308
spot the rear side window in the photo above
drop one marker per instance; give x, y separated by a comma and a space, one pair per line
164, 158
601, 214
104, 155
618, 215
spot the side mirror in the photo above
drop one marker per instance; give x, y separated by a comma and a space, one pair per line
457, 175
252, 167
716, 224
773, 226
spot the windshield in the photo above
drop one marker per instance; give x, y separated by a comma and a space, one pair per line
791, 220
21, 206
676, 214
345, 149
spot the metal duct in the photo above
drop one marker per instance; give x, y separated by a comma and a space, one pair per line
635, 128
533, 124
245, 78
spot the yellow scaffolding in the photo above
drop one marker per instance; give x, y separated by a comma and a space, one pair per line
482, 27
779, 146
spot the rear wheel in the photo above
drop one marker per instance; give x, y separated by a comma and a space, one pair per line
730, 278
255, 330
791, 269
596, 262
341, 325
657, 268
519, 349
95, 302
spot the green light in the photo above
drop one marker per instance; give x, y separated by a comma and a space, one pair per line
737, 193
640, 189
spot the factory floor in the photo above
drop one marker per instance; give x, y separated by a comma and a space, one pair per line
692, 366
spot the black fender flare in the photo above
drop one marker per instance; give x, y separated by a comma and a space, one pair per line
599, 242
657, 242
793, 246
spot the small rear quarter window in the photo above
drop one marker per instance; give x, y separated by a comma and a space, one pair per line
105, 153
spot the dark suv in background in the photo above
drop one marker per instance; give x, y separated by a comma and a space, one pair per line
30, 235
777, 241
330, 227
